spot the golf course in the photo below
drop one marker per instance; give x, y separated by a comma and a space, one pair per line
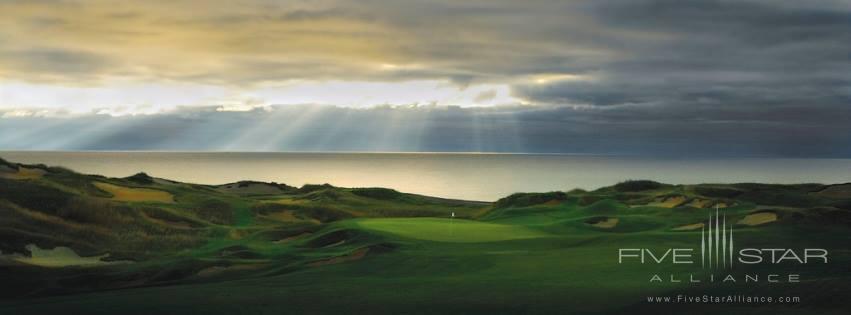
73, 243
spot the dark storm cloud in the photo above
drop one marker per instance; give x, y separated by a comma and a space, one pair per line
770, 77
755, 54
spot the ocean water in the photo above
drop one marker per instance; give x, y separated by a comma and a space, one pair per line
463, 176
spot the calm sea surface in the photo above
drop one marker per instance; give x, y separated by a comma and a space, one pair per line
464, 176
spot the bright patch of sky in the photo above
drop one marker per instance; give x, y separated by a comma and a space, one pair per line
122, 98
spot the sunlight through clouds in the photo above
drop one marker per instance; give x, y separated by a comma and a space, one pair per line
148, 98
507, 76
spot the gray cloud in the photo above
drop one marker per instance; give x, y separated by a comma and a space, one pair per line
648, 76
771, 72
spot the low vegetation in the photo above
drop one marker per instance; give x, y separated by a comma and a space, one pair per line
315, 249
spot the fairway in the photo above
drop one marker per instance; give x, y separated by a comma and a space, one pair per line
442, 230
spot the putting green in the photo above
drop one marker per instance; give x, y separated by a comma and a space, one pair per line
456, 231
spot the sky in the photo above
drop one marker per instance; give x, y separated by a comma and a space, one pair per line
638, 77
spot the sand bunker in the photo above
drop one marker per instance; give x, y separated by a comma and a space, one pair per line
668, 202
122, 193
759, 218
688, 227
699, 203
22, 173
607, 223
60, 257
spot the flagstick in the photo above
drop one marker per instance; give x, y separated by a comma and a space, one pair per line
450, 223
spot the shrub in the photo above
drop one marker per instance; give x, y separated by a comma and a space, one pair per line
94, 211
637, 185
141, 178
377, 193
33, 196
167, 216
308, 188
717, 192
530, 199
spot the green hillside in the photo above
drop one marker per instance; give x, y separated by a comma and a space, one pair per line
89, 244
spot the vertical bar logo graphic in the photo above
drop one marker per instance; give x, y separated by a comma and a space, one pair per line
716, 242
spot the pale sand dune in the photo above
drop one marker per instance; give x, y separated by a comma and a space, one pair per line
608, 223
122, 193
688, 227
758, 218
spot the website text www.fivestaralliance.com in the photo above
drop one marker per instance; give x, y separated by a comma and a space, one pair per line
722, 299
